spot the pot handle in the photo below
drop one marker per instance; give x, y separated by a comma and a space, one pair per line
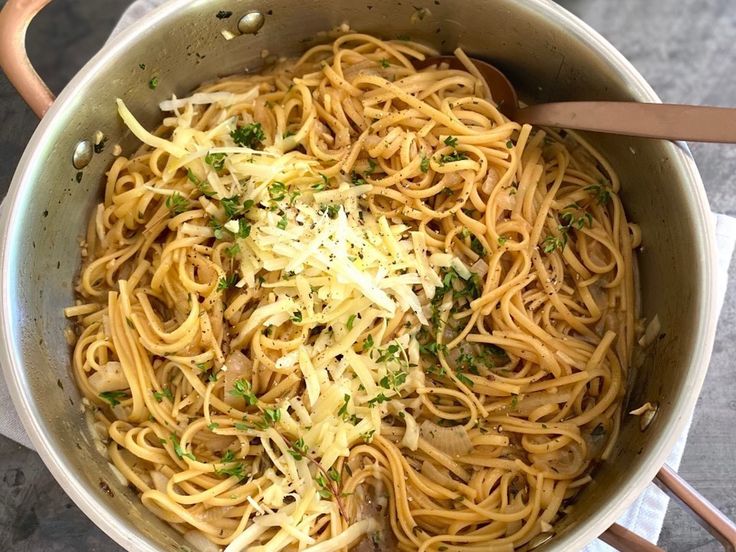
15, 17
680, 490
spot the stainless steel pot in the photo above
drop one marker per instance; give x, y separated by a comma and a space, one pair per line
548, 53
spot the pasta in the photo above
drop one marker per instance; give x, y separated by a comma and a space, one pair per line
345, 304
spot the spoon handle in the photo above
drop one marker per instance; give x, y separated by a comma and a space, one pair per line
668, 121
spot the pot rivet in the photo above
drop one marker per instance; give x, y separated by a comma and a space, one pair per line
251, 22
82, 154
539, 540
648, 417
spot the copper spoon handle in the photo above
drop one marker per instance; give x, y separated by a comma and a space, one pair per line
667, 121
704, 512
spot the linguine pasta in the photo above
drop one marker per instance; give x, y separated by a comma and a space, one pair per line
345, 304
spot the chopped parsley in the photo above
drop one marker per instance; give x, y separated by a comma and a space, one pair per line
231, 205
319, 186
178, 450
324, 491
213, 426
215, 160
424, 165
331, 210
113, 397
164, 393
351, 321
270, 417
453, 157
248, 136
298, 450
368, 343
232, 250
177, 203
451, 141
153, 83
282, 223
477, 246
296, 317
243, 228
357, 179
600, 192
243, 388
550, 243
202, 185
385, 63
378, 399
368, 435
226, 282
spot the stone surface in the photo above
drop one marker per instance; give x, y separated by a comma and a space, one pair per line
684, 48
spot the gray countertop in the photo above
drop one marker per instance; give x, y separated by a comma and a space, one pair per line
684, 48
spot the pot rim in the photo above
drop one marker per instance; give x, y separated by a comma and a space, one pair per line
94, 504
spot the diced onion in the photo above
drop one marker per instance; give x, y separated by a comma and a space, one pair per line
651, 333
453, 441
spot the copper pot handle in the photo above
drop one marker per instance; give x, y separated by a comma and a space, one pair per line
704, 512
15, 17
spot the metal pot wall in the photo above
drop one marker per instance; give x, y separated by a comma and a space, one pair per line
548, 53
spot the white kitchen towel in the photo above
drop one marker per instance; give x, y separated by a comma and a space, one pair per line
644, 517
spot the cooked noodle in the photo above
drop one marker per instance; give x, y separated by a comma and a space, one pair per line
345, 303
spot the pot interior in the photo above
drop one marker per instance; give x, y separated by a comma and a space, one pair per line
546, 53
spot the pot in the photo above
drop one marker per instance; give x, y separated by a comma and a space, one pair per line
548, 53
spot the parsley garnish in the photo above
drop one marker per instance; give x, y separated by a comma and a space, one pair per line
465, 379
453, 157
451, 141
502, 240
270, 417
357, 179
213, 426
368, 343
281, 224
378, 399
153, 83
231, 205
477, 246
332, 210
319, 186
202, 185
296, 317
176, 203
384, 63
178, 450
368, 436
424, 165
232, 250
165, 393
298, 450
113, 397
226, 282
243, 228
550, 243
243, 388
509, 144
248, 136
324, 491
601, 193
215, 160
277, 191
350, 321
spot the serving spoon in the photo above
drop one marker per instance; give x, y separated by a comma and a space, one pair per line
648, 120
694, 123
